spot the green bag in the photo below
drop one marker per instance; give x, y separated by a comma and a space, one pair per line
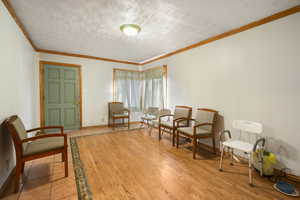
268, 159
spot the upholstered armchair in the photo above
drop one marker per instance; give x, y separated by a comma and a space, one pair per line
182, 114
30, 148
117, 111
203, 127
149, 115
155, 123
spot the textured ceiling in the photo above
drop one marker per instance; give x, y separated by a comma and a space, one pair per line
91, 27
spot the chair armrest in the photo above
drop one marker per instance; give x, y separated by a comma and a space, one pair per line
262, 140
223, 132
47, 127
45, 136
181, 119
166, 115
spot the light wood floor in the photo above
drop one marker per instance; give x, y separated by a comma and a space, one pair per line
133, 165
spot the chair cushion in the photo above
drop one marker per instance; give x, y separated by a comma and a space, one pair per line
190, 131
120, 115
44, 145
239, 145
167, 123
20, 129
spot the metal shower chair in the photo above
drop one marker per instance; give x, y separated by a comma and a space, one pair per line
253, 128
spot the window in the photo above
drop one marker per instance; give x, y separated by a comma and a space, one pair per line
127, 85
139, 90
154, 87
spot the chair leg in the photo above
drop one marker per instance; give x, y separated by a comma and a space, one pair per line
66, 162
128, 123
177, 139
173, 137
231, 156
159, 132
142, 124
194, 147
17, 176
214, 144
23, 166
250, 171
113, 123
221, 159
150, 130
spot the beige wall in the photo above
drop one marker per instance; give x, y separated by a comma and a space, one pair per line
97, 82
253, 75
18, 76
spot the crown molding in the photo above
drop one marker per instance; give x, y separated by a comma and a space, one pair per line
18, 22
251, 25
86, 56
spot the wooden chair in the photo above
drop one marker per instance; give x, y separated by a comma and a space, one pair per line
30, 148
182, 113
117, 111
204, 127
149, 115
155, 123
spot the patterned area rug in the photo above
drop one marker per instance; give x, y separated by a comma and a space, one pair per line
83, 189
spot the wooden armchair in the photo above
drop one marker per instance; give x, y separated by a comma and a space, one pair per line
204, 127
182, 113
117, 111
149, 115
30, 148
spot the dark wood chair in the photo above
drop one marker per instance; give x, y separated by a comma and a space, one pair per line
117, 111
204, 127
182, 113
30, 148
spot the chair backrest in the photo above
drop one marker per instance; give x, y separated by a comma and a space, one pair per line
18, 132
248, 126
205, 115
164, 112
152, 111
115, 107
182, 111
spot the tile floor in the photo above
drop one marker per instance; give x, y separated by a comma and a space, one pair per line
44, 179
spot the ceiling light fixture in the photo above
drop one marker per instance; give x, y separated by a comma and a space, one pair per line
130, 29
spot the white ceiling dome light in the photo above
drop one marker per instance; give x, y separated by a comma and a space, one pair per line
130, 29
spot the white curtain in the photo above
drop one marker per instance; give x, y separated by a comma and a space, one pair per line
154, 94
128, 89
140, 90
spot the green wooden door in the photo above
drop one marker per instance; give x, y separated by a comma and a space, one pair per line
62, 96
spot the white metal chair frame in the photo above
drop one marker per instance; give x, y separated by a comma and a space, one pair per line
238, 144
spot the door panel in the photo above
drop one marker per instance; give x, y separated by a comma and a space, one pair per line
62, 96
54, 92
70, 93
70, 114
54, 117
